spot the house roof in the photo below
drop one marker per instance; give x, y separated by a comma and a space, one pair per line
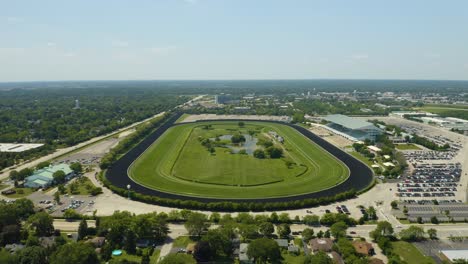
456, 254
40, 182
376, 261
97, 241
349, 122
243, 252
282, 242
293, 249
46, 174
321, 244
190, 247
362, 247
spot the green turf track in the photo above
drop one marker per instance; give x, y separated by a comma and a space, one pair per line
177, 163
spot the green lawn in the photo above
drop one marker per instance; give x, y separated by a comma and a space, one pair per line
3, 186
292, 259
182, 118
182, 241
84, 186
360, 157
154, 258
178, 163
447, 110
21, 192
407, 147
410, 253
128, 257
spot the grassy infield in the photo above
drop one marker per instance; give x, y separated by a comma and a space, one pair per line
178, 163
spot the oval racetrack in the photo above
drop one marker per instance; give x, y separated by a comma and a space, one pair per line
360, 176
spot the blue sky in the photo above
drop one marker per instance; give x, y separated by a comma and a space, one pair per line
233, 39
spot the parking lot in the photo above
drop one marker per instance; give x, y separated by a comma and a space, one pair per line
80, 203
431, 180
445, 212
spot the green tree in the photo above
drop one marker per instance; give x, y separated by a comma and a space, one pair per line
338, 230
59, 176
215, 217
22, 174
196, 224
432, 233
71, 214
82, 229
308, 234
259, 154
76, 253
274, 152
266, 228
434, 220
14, 175
274, 217
32, 255
61, 189
130, 241
237, 138
311, 220
42, 223
263, 250
241, 124
219, 243
42, 165
319, 258
412, 233
178, 258
57, 197
394, 204
7, 258
284, 230
76, 167
383, 228
284, 218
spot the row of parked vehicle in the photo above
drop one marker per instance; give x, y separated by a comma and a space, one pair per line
431, 180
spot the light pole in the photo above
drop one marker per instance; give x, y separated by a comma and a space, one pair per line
128, 188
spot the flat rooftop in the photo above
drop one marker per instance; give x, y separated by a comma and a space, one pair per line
349, 122
20, 147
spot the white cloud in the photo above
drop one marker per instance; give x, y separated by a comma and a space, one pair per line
191, 1
51, 44
162, 50
359, 57
120, 44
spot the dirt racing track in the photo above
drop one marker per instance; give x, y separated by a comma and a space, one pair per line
360, 176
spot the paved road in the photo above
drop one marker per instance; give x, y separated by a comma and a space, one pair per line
71, 226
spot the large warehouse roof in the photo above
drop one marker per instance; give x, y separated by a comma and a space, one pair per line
348, 122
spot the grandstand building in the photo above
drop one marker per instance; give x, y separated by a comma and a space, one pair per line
352, 128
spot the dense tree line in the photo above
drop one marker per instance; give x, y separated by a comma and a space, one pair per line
49, 116
428, 143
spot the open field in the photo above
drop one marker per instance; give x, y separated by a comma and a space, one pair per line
178, 163
447, 110
410, 253
407, 147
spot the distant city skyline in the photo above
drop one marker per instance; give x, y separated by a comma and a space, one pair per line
234, 40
